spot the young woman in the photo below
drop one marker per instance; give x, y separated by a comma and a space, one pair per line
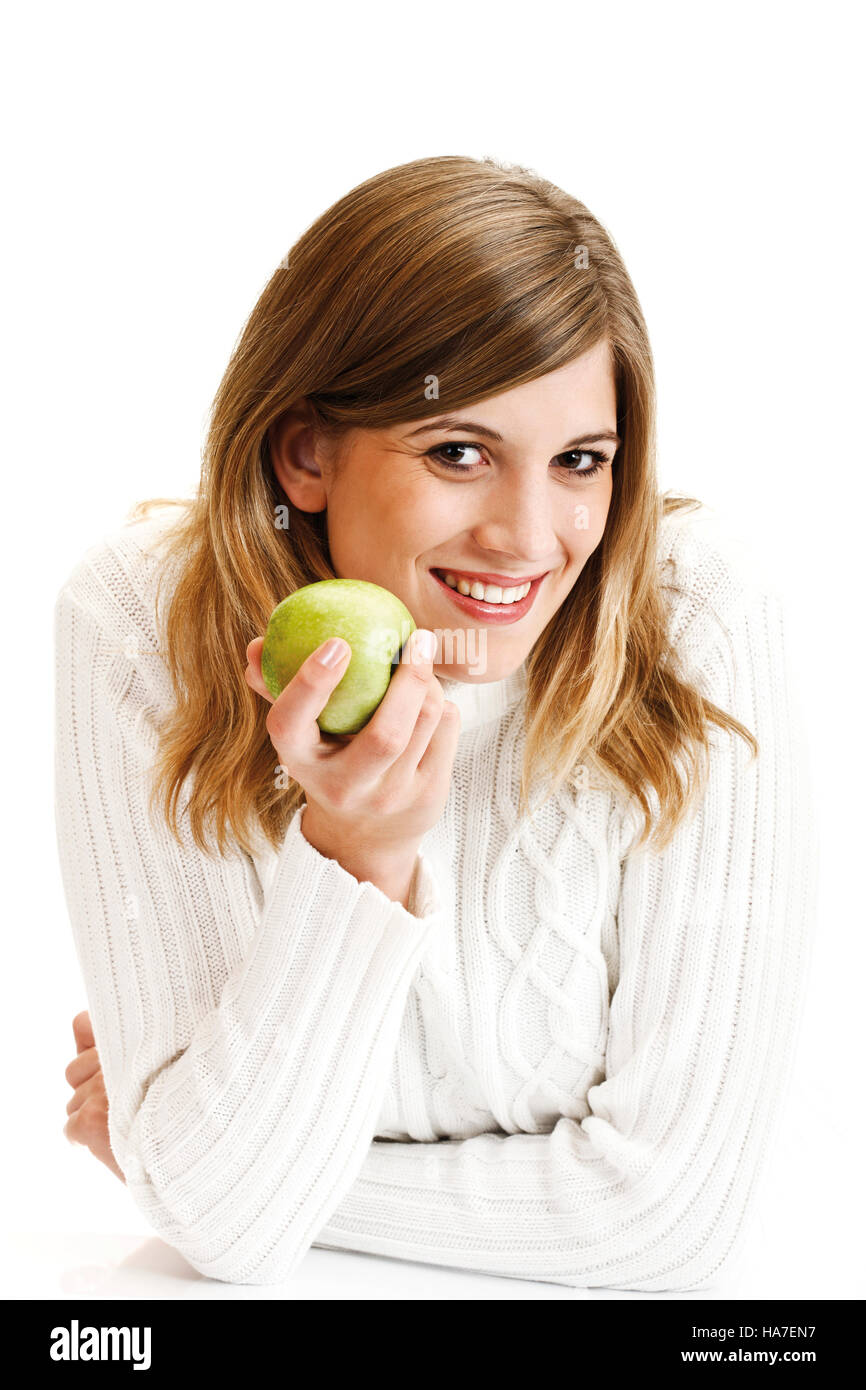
510, 979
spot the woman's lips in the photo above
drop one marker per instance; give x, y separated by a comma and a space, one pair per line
494, 613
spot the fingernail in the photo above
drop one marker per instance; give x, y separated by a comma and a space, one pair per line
332, 651
424, 644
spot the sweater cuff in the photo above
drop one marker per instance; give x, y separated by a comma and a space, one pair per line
424, 898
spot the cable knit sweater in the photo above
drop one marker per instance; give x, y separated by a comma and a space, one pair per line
565, 1063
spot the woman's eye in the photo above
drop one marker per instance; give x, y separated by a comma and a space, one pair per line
596, 461
452, 462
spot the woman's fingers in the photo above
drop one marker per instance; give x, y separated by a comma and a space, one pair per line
388, 733
253, 673
88, 1108
88, 1125
82, 1031
94, 1086
81, 1126
254, 679
443, 743
425, 725
82, 1067
292, 720
375, 774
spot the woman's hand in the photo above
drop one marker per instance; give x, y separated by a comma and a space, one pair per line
372, 795
88, 1108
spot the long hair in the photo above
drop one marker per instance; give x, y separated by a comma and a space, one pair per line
488, 276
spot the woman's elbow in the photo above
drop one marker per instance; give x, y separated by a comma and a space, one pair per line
214, 1253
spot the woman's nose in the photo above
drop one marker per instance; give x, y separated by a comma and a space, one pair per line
518, 517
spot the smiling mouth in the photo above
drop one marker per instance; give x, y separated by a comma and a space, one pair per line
491, 603
501, 594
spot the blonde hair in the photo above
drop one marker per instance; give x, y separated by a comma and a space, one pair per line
488, 276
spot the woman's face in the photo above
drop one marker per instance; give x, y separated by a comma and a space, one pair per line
526, 498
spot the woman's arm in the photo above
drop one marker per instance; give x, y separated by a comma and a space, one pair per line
652, 1189
245, 1036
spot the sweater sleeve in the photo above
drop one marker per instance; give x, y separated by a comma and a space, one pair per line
651, 1190
246, 1033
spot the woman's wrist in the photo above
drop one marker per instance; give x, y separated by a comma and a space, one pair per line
390, 868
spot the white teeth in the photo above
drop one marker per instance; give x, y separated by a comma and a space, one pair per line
490, 593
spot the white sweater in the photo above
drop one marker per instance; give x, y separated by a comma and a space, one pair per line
563, 1064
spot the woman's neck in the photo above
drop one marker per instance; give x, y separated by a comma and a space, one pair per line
480, 701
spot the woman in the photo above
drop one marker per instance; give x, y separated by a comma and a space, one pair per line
401, 1006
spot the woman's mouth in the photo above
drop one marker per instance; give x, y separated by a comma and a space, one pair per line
490, 603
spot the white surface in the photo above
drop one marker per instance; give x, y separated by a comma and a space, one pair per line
52, 1265
793, 1253
796, 1250
163, 162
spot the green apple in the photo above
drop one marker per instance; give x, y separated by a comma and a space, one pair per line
374, 622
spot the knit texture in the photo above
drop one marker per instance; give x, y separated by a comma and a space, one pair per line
565, 1063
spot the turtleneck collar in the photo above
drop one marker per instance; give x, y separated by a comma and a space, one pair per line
479, 701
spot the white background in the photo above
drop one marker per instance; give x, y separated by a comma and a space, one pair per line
159, 162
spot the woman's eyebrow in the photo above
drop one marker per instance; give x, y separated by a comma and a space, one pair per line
452, 423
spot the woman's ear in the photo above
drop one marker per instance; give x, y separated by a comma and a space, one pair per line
296, 454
